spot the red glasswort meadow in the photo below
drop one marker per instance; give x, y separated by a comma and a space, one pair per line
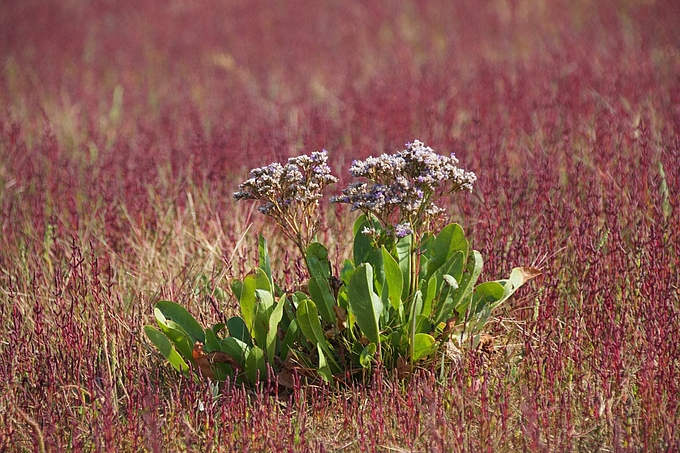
125, 129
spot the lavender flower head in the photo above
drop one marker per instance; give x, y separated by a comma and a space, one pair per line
401, 230
402, 188
290, 193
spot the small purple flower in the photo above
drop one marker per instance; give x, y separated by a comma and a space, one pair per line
402, 230
403, 187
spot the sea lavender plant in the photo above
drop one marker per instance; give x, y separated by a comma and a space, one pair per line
400, 299
291, 194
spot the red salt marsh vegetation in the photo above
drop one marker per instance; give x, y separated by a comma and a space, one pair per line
125, 128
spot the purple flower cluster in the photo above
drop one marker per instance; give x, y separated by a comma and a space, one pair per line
401, 230
290, 192
283, 188
403, 187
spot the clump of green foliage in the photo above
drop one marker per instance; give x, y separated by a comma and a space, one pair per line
408, 296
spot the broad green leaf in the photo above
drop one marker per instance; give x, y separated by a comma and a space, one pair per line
265, 302
430, 291
238, 329
236, 288
263, 312
426, 244
404, 253
166, 348
393, 278
247, 298
416, 308
422, 325
176, 334
263, 253
347, 271
324, 370
321, 294
358, 224
455, 297
363, 244
183, 318
292, 335
364, 303
367, 355
450, 240
256, 367
364, 250
308, 321
212, 343
272, 336
237, 349
423, 345
486, 295
217, 328
453, 267
299, 296
317, 261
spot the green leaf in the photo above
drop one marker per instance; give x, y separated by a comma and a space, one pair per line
292, 335
359, 224
449, 241
237, 287
263, 312
238, 329
265, 264
248, 300
322, 296
317, 261
176, 334
486, 295
166, 348
324, 370
364, 250
308, 321
347, 271
272, 336
404, 253
217, 328
364, 303
212, 343
393, 278
237, 349
367, 355
183, 318
430, 291
453, 298
423, 345
422, 324
256, 367
416, 308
